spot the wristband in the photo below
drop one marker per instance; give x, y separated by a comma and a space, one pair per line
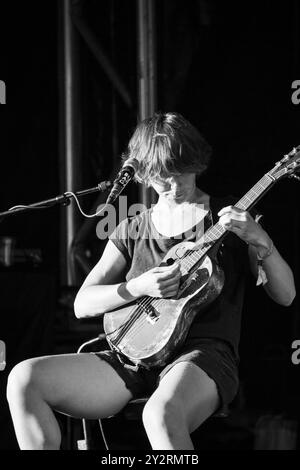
269, 252
262, 277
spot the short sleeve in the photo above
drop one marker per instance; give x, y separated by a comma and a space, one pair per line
120, 238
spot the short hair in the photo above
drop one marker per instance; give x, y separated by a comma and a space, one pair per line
167, 144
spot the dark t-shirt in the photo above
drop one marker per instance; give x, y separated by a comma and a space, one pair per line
144, 248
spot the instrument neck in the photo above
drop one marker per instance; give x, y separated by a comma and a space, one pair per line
217, 232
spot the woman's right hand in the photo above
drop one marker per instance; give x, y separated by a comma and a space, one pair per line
162, 281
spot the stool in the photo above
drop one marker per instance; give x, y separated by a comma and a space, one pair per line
132, 411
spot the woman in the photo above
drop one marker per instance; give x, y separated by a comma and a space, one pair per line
202, 375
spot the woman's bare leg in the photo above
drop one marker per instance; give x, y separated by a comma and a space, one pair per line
80, 385
185, 398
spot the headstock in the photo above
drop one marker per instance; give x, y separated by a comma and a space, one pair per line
288, 166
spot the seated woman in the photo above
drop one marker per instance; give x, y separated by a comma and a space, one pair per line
201, 375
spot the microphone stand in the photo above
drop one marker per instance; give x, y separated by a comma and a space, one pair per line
63, 199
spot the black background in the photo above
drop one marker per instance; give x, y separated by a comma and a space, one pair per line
228, 67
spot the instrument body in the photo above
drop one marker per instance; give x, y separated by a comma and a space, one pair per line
150, 330
161, 326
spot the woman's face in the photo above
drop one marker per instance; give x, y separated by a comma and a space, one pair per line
177, 188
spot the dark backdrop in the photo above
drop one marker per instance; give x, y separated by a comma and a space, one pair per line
228, 67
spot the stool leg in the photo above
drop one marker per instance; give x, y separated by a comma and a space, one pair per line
91, 439
87, 442
103, 435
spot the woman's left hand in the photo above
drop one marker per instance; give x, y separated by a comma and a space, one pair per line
244, 226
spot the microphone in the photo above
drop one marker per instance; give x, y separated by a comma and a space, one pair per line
124, 176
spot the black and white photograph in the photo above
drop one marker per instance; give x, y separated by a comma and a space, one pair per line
149, 228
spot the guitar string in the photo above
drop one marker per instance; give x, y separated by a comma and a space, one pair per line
133, 323
141, 321
219, 231
149, 300
137, 321
134, 326
131, 320
140, 309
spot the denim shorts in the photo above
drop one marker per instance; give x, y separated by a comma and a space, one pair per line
213, 356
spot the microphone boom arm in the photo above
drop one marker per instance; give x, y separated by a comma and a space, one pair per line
63, 199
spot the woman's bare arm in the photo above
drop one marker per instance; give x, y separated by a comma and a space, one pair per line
104, 288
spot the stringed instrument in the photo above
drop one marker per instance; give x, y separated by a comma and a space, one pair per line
149, 330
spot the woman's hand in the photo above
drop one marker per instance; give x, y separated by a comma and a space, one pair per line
162, 281
244, 226
280, 284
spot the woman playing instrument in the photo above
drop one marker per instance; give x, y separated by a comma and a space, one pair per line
200, 376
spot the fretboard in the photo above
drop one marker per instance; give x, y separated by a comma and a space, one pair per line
217, 231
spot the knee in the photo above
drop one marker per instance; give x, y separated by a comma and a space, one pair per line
161, 412
20, 380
